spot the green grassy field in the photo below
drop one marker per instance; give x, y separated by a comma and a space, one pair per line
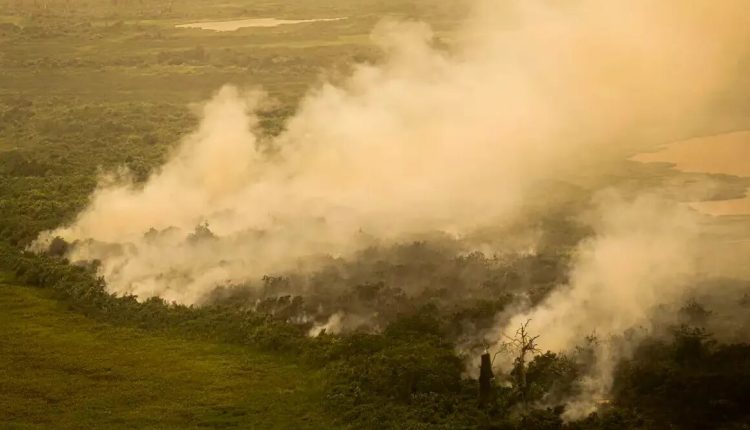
61, 370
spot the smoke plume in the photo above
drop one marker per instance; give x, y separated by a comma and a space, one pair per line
643, 254
427, 140
440, 139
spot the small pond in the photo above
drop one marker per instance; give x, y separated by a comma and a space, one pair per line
251, 22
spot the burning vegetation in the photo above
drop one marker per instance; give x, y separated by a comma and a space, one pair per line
454, 234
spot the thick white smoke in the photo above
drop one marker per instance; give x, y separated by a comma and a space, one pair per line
644, 254
427, 140
436, 140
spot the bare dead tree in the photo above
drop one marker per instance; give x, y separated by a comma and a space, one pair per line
520, 345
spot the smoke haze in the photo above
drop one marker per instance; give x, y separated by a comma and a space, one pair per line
643, 254
447, 140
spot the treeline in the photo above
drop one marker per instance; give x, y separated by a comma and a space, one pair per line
409, 375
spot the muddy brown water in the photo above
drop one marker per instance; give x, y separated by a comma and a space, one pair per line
725, 153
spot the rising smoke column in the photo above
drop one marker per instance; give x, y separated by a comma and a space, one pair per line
644, 253
427, 140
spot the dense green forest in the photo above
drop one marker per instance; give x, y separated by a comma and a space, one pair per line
90, 86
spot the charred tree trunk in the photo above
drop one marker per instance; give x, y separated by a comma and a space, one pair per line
486, 389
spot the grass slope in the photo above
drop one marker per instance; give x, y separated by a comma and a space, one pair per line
61, 370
